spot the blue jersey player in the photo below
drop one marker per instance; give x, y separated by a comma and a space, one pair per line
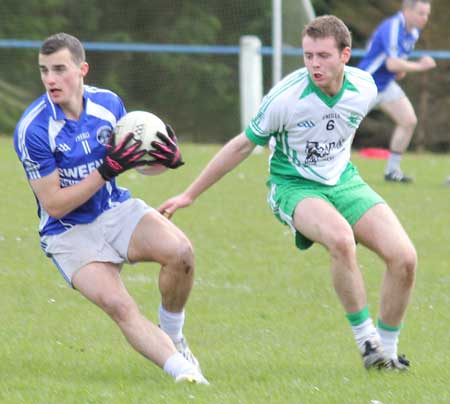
90, 226
386, 59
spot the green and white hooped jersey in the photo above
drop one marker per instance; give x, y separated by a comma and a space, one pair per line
313, 131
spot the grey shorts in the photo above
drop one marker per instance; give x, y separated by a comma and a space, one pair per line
106, 239
392, 92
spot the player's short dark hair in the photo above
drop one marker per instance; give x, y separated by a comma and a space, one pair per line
59, 41
412, 3
329, 26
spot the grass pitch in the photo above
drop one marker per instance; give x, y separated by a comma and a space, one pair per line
262, 318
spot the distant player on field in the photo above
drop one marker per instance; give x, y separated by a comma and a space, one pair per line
313, 114
386, 59
88, 225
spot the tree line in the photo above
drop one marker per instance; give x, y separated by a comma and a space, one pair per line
197, 94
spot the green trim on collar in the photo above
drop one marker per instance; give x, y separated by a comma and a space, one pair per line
349, 86
329, 101
308, 90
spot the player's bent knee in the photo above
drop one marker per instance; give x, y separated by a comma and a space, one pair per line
410, 122
342, 245
120, 309
410, 263
183, 256
405, 262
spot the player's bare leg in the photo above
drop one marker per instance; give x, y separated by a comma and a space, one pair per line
321, 222
402, 113
380, 231
100, 282
157, 239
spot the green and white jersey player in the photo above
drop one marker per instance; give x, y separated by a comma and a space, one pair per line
313, 131
312, 115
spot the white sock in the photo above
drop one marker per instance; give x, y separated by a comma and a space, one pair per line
363, 331
393, 163
389, 340
177, 364
171, 323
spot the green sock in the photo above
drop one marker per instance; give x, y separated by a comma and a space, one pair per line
358, 317
386, 327
362, 327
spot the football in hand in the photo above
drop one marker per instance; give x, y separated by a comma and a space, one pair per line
144, 125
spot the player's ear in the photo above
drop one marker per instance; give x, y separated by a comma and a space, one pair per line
346, 54
84, 69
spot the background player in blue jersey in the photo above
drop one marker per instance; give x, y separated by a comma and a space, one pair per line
312, 115
88, 225
386, 59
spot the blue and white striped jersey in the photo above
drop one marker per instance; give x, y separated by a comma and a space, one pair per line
45, 141
390, 39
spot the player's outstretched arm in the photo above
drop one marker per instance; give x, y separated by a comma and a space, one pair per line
398, 65
169, 207
234, 152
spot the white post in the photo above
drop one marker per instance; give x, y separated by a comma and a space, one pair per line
308, 10
277, 41
250, 77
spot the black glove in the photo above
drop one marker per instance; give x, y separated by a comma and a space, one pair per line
121, 157
166, 152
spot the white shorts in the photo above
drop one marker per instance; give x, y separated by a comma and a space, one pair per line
106, 239
392, 92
